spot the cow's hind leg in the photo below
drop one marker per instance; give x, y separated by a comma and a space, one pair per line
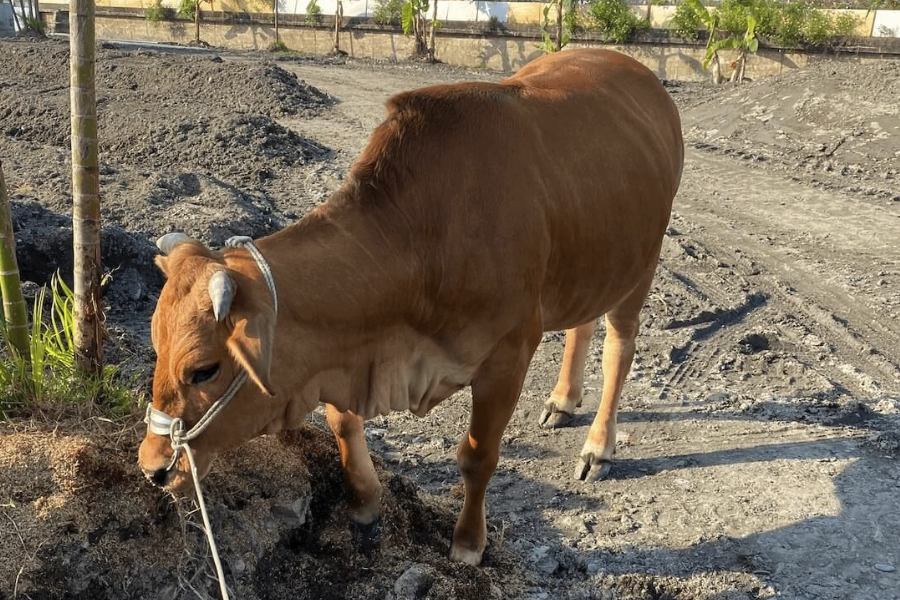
566, 397
622, 324
359, 473
495, 392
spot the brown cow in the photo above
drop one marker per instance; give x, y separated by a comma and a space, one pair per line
479, 216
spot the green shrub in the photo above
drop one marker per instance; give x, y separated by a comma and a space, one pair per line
614, 20
790, 26
36, 25
388, 12
50, 375
313, 13
817, 28
686, 23
157, 13
733, 16
188, 8
845, 24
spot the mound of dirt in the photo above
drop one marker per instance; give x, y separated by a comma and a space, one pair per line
837, 121
144, 82
187, 143
81, 522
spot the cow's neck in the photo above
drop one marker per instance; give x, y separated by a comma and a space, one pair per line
344, 288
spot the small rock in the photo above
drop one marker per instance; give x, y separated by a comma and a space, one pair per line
414, 583
595, 567
547, 565
393, 457
293, 515
239, 565
885, 568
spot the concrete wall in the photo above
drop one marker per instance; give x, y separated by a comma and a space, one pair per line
669, 61
875, 23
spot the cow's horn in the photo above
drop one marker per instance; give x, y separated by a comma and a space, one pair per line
167, 242
221, 292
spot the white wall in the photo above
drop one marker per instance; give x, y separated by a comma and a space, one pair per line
887, 24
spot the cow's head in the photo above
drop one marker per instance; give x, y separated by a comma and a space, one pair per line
213, 319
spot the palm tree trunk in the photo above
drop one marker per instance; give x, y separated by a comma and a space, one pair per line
433, 26
85, 189
197, 22
338, 18
559, 24
14, 310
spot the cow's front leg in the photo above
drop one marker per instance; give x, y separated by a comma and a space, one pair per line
495, 392
566, 397
359, 472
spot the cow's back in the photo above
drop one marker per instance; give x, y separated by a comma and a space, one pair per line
550, 190
613, 136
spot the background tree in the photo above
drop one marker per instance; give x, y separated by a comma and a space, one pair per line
14, 311
434, 25
338, 20
413, 21
85, 189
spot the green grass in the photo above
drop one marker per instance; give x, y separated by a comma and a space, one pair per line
50, 377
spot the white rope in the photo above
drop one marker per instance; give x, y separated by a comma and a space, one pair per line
160, 423
220, 575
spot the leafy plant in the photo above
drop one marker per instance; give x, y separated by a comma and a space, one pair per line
51, 375
563, 33
615, 21
313, 13
36, 24
686, 22
845, 24
279, 46
188, 8
388, 12
412, 19
156, 12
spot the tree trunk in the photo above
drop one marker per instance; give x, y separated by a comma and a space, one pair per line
37, 9
433, 26
277, 37
716, 70
559, 24
14, 310
338, 19
85, 189
197, 22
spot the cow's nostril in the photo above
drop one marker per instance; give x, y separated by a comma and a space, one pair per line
159, 476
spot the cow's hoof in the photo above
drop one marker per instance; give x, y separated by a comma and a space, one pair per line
470, 557
589, 469
366, 536
555, 413
552, 418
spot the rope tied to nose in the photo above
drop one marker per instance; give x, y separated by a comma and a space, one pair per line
162, 424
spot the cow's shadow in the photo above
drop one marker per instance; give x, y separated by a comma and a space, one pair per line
833, 555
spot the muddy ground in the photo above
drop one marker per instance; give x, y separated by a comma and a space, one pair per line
759, 429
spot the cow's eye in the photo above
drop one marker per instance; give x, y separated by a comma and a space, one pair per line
204, 374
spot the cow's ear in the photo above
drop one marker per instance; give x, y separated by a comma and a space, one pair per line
250, 342
163, 263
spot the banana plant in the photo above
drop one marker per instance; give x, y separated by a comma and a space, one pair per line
413, 22
748, 43
711, 22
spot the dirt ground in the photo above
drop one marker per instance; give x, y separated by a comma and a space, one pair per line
759, 428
